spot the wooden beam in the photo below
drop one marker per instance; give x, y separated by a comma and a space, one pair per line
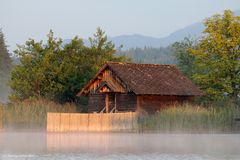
107, 103
115, 102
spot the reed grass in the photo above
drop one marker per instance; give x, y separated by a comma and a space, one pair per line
191, 119
1, 116
32, 113
179, 118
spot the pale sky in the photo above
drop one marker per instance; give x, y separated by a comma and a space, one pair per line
23, 19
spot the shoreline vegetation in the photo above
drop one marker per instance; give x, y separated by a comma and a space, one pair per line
185, 118
31, 114
189, 118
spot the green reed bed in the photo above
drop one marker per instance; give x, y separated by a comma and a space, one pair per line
1, 116
191, 119
31, 113
184, 118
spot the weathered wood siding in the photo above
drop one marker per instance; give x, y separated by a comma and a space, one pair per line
131, 102
96, 102
126, 102
98, 122
153, 103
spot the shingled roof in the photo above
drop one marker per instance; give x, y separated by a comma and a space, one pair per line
152, 79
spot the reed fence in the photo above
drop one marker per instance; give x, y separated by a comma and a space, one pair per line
94, 122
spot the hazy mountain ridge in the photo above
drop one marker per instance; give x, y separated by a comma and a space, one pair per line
141, 41
137, 40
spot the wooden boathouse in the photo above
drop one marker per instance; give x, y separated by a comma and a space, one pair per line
123, 87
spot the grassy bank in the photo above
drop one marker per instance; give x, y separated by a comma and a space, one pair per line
191, 119
31, 113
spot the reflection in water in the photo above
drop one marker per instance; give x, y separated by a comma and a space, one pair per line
144, 143
37, 145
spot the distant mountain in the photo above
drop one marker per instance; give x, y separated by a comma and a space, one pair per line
194, 30
135, 40
132, 41
141, 41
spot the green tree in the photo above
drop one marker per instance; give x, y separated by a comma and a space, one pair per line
56, 71
101, 50
218, 57
185, 60
5, 60
5, 67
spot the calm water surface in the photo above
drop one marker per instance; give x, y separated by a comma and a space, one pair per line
118, 146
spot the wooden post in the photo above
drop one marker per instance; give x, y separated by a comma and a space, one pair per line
115, 102
138, 103
107, 105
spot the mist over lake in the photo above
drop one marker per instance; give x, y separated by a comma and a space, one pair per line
42, 145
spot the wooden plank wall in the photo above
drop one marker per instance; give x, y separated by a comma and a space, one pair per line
93, 122
96, 102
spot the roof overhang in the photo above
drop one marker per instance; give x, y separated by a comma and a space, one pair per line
84, 89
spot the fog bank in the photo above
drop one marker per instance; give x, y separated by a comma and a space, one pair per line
90, 145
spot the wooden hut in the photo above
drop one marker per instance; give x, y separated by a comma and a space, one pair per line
121, 87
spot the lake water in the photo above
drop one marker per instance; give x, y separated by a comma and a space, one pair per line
118, 146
